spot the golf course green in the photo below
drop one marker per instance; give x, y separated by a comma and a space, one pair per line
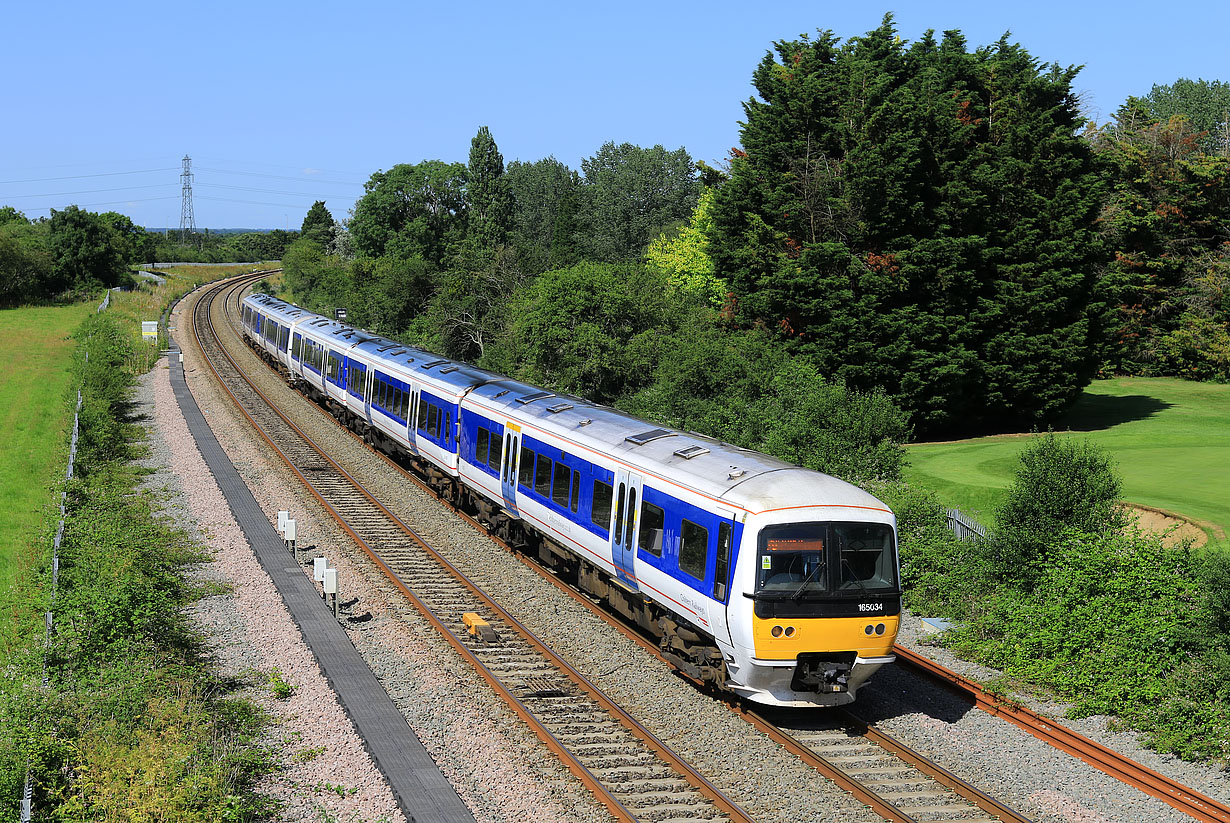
1169, 440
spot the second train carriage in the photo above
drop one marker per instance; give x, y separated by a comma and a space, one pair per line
775, 582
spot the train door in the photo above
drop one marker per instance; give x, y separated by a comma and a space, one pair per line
723, 570
508, 467
412, 422
623, 532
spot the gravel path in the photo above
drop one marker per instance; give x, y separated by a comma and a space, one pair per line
499, 768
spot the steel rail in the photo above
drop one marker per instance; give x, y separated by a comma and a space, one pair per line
1104, 759
711, 792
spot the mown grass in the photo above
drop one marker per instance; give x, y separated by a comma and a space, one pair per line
1169, 440
33, 423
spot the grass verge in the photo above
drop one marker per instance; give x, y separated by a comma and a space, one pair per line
130, 723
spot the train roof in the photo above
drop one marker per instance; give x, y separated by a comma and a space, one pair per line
286, 313
744, 478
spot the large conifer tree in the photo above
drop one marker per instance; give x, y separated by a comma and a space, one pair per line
918, 217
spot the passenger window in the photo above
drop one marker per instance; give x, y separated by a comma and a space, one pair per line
575, 502
494, 458
423, 404
448, 427
722, 567
560, 485
482, 446
542, 477
600, 512
526, 474
433, 421
693, 549
653, 523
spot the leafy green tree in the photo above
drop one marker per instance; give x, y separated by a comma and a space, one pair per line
318, 224
542, 192
8, 214
25, 263
1205, 104
919, 218
631, 194
488, 197
685, 259
86, 250
411, 210
1165, 226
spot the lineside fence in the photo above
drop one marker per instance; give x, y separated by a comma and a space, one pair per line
27, 795
965, 527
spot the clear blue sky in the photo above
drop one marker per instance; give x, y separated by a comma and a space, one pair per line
279, 104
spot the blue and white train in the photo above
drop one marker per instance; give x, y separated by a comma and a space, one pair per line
771, 581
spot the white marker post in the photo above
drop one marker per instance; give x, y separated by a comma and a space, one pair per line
282, 518
330, 587
319, 565
289, 534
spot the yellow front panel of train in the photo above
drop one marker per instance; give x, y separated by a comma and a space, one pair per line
787, 638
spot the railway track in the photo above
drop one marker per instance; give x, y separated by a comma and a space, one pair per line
629, 770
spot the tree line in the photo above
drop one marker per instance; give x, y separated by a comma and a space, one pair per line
937, 223
75, 251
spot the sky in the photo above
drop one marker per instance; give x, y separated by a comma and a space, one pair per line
280, 104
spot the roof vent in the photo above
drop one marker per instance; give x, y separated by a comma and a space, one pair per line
399, 351
448, 369
530, 398
500, 393
584, 422
735, 473
691, 451
653, 434
431, 363
559, 407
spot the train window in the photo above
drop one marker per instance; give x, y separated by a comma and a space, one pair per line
433, 421
653, 523
448, 427
423, 404
561, 485
630, 527
601, 511
619, 517
575, 501
867, 560
482, 446
298, 348
693, 549
526, 476
405, 405
399, 402
542, 476
493, 459
722, 567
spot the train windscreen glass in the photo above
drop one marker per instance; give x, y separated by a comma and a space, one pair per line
802, 559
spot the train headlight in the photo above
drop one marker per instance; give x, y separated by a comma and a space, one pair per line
790, 631
776, 631
869, 630
879, 628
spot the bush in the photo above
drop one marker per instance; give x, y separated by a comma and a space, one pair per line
1061, 484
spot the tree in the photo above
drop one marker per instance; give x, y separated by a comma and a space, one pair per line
487, 196
543, 197
630, 194
685, 259
87, 252
411, 210
25, 264
1166, 226
1204, 104
918, 218
318, 224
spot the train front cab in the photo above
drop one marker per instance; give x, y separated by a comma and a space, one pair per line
819, 608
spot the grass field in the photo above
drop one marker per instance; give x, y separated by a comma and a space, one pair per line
33, 420
1169, 439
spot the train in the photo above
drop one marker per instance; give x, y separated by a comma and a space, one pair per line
757, 577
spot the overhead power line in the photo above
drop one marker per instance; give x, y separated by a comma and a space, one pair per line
82, 176
85, 191
280, 177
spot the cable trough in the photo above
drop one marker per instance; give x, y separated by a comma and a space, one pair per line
629, 770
